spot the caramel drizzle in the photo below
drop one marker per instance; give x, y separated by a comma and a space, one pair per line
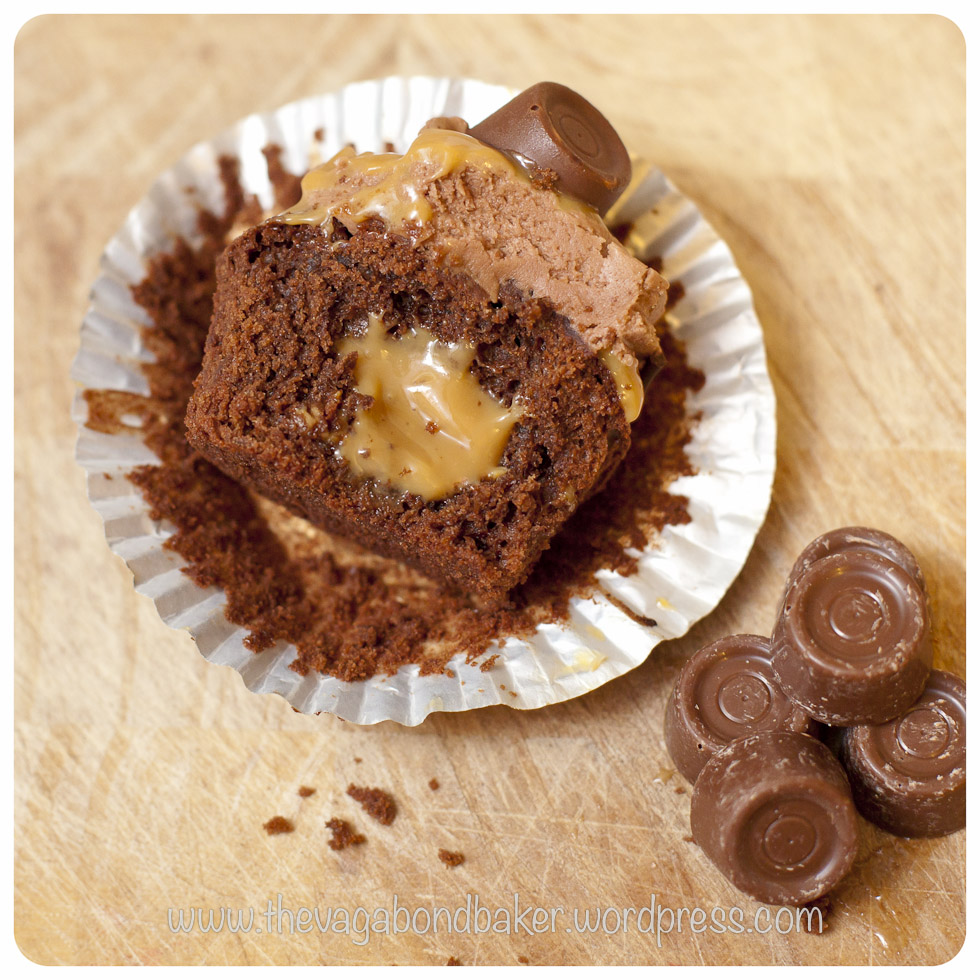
392, 186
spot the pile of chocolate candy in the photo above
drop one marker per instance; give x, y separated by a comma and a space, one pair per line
787, 738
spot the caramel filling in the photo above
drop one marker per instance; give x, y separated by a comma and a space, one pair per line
628, 384
431, 426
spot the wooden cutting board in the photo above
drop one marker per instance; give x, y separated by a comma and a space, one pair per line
830, 154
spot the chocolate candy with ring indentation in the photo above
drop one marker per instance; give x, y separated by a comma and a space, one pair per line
852, 644
727, 690
856, 538
555, 129
774, 813
908, 775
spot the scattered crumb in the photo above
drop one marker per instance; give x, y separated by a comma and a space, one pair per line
278, 825
375, 802
523, 959
623, 608
305, 791
679, 790
489, 662
358, 759
433, 784
344, 834
451, 859
450, 673
452, 961
688, 839
813, 923
319, 134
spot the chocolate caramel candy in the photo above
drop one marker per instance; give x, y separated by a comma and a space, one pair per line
908, 775
857, 538
774, 813
554, 128
727, 690
852, 644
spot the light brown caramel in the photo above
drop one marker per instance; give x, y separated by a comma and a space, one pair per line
629, 386
431, 427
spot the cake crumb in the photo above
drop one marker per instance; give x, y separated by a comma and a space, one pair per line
278, 825
815, 921
523, 959
433, 784
375, 802
451, 859
623, 608
489, 662
305, 791
343, 833
452, 961
358, 759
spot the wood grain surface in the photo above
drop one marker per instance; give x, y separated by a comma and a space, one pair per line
830, 153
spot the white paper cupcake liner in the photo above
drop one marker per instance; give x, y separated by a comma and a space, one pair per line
681, 575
